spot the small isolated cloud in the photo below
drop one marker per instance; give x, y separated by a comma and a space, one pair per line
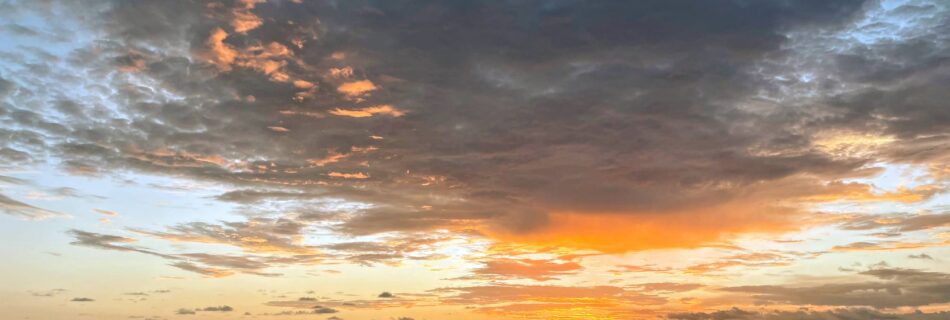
323, 310
218, 309
923, 256
106, 212
82, 299
184, 311
187, 311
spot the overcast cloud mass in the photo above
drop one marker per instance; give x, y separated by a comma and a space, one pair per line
297, 159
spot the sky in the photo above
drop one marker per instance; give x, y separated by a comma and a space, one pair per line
411, 160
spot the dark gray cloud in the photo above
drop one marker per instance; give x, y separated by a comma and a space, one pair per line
899, 222
516, 110
218, 309
922, 256
850, 314
400, 117
188, 311
323, 310
507, 113
184, 311
82, 299
893, 288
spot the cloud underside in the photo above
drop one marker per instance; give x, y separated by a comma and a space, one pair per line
582, 116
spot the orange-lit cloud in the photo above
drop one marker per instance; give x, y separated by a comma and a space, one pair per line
345, 175
331, 157
270, 59
369, 111
613, 232
220, 54
344, 72
303, 84
356, 88
244, 19
535, 269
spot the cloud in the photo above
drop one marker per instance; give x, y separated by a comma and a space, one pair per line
369, 111
612, 127
109, 242
356, 88
855, 314
257, 235
25, 211
218, 309
540, 270
922, 256
519, 300
211, 265
899, 222
895, 288
640, 268
206, 271
244, 19
597, 121
12, 180
49, 293
184, 311
761, 259
106, 212
221, 54
188, 311
668, 286
82, 299
323, 310
386, 294
887, 245
346, 175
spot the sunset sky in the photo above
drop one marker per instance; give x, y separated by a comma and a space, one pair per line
442, 160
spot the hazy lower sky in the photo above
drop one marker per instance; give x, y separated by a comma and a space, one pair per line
284, 159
